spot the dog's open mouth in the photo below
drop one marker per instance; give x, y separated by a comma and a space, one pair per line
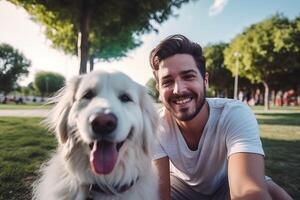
104, 155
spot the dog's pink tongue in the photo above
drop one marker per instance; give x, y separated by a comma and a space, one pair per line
103, 157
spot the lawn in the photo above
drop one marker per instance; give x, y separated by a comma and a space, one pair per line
24, 106
280, 133
25, 144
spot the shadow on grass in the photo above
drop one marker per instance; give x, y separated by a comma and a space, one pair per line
283, 164
290, 119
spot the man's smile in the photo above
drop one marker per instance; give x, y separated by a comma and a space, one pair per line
182, 99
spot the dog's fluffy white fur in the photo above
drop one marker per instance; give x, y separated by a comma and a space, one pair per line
68, 174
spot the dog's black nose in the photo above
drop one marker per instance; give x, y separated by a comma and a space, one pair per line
103, 123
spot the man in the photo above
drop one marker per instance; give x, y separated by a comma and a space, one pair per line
207, 148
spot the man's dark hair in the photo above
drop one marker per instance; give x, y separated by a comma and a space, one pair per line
177, 44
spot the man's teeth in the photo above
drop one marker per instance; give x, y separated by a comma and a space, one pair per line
183, 100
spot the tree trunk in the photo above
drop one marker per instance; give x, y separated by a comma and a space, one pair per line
273, 97
83, 36
91, 63
226, 93
266, 99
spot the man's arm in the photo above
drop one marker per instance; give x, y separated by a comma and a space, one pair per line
163, 169
246, 177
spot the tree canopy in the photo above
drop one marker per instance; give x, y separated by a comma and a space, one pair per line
48, 82
98, 29
267, 50
220, 78
13, 65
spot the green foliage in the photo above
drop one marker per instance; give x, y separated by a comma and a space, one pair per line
220, 78
13, 65
48, 82
108, 29
152, 90
108, 49
267, 49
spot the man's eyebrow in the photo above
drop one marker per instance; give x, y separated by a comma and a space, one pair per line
190, 71
166, 77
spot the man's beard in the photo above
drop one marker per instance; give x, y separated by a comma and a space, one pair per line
198, 109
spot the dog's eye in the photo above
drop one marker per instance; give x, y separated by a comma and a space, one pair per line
89, 95
125, 98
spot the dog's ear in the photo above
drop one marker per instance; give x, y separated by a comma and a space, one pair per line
57, 119
150, 120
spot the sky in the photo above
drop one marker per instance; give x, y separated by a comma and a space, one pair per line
203, 21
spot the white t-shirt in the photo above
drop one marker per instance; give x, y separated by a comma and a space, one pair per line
231, 128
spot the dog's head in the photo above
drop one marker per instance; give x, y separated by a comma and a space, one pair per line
106, 115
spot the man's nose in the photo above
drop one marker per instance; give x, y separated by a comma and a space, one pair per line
178, 87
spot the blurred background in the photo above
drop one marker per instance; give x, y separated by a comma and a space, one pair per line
252, 47
252, 51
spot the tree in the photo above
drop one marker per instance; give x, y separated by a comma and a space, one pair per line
152, 90
13, 65
268, 49
48, 82
220, 78
102, 29
25, 91
107, 49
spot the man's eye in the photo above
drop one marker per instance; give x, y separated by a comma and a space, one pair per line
188, 77
125, 98
166, 83
89, 95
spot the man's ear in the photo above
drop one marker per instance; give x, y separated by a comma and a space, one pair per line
206, 82
157, 86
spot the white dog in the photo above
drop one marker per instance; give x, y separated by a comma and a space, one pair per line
105, 126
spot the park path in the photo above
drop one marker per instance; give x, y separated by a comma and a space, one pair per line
24, 113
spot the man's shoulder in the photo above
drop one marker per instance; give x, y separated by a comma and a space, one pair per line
224, 103
231, 112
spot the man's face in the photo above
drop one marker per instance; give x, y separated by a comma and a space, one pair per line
181, 86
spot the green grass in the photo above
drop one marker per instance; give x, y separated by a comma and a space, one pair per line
277, 109
25, 144
280, 133
23, 106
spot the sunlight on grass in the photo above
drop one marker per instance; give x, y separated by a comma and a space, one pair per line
277, 109
25, 145
280, 133
24, 106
